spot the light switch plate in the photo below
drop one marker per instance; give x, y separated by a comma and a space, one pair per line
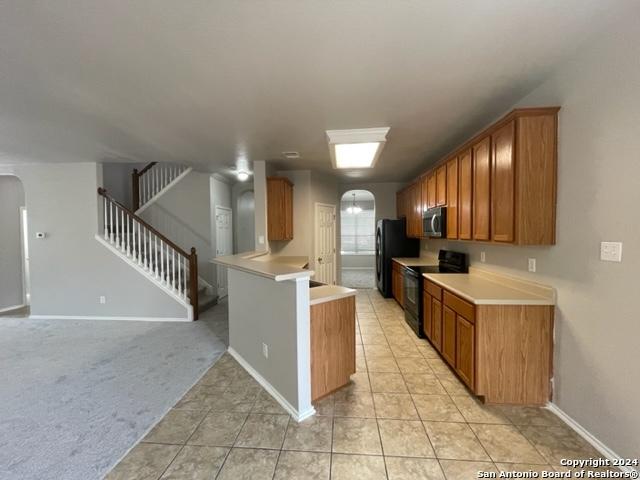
611, 251
483, 257
532, 265
261, 239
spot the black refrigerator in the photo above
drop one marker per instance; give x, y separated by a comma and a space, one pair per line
392, 241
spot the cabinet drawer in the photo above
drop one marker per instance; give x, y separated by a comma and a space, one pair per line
461, 307
432, 289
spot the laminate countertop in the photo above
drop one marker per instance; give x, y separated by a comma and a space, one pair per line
416, 261
328, 293
484, 288
264, 264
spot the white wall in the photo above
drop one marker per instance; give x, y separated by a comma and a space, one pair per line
182, 214
116, 178
244, 214
260, 192
69, 269
597, 373
11, 276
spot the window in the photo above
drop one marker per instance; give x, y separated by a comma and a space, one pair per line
358, 233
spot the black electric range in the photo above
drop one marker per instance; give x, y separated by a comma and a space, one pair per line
448, 262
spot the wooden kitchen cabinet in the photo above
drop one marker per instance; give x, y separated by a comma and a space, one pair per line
415, 215
452, 198
465, 350
449, 335
427, 317
501, 352
401, 203
279, 208
333, 351
482, 189
441, 186
500, 186
431, 190
465, 195
503, 184
397, 282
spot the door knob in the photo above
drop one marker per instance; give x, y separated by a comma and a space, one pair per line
319, 259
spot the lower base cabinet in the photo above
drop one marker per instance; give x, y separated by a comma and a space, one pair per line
333, 345
397, 282
501, 352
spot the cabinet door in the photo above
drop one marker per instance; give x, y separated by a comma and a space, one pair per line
431, 190
465, 351
441, 185
449, 335
425, 196
452, 198
427, 318
465, 192
481, 189
401, 289
288, 210
399, 212
502, 184
415, 210
436, 323
276, 210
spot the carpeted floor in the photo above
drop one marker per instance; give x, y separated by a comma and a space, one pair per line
359, 277
76, 395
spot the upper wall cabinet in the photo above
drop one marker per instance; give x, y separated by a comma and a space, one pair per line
500, 186
279, 208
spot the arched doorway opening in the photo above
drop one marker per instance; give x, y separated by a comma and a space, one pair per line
357, 239
14, 253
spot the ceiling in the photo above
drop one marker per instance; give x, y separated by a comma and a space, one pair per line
218, 84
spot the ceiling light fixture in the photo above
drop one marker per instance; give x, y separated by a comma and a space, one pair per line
242, 176
354, 209
358, 148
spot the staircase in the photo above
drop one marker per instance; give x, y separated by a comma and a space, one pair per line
147, 250
150, 183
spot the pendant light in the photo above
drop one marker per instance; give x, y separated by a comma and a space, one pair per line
354, 209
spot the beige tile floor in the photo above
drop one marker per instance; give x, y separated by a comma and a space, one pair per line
404, 416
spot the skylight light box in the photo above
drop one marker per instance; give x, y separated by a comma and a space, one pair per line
358, 148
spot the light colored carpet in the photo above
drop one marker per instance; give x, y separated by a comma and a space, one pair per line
76, 395
359, 277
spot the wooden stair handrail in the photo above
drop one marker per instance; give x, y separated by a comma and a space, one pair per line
103, 192
135, 184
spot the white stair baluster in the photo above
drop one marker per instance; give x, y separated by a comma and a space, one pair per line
104, 219
155, 255
117, 228
127, 233
139, 246
111, 221
173, 269
184, 278
134, 253
162, 270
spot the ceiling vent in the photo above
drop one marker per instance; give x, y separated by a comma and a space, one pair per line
291, 155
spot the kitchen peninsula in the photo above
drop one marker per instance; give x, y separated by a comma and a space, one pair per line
297, 342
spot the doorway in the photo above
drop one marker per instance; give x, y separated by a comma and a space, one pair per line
14, 277
357, 239
325, 243
224, 245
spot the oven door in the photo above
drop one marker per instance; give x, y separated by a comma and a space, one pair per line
412, 293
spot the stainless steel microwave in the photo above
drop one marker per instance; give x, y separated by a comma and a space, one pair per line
434, 222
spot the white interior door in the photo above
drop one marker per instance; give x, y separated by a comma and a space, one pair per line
224, 245
325, 243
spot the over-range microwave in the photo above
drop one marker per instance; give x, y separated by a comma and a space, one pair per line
434, 222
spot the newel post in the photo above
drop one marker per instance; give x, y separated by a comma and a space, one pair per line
135, 186
193, 281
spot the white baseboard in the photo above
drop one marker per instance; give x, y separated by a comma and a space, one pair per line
298, 416
12, 307
584, 433
96, 317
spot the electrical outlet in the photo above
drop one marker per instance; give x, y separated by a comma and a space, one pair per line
483, 257
261, 239
611, 251
103, 299
265, 350
532, 264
